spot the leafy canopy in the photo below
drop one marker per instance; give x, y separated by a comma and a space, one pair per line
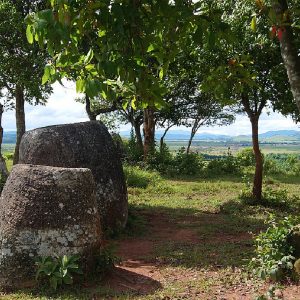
118, 48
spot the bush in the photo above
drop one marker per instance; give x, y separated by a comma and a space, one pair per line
160, 160
227, 165
137, 177
282, 164
132, 152
273, 255
246, 157
186, 163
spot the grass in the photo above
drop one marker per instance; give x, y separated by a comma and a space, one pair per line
220, 223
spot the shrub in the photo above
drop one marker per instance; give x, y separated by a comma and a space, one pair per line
227, 165
9, 156
132, 152
160, 160
273, 255
246, 157
137, 177
58, 270
186, 163
282, 164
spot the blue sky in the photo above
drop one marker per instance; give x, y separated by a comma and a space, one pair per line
62, 108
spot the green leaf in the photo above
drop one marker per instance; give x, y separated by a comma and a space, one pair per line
47, 74
101, 32
89, 57
150, 48
29, 34
133, 103
161, 73
80, 86
53, 282
253, 23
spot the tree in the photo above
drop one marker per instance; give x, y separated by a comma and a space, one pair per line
282, 17
4, 105
21, 64
131, 45
206, 111
252, 78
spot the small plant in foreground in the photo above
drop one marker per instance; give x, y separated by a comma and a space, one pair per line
274, 258
58, 270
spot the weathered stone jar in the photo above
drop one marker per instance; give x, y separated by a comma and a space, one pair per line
46, 211
83, 145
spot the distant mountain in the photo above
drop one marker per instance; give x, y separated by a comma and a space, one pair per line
279, 136
9, 137
182, 135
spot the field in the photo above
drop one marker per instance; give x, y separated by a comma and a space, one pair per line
221, 148
188, 238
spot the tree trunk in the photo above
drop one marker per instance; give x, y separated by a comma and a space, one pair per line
149, 131
3, 168
258, 176
289, 51
20, 120
193, 132
89, 112
138, 134
162, 139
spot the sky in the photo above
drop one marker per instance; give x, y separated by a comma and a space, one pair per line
61, 109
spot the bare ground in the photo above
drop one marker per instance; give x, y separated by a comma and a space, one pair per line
143, 274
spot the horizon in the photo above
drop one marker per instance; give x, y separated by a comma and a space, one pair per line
63, 109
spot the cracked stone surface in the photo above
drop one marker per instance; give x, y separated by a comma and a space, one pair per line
83, 145
46, 211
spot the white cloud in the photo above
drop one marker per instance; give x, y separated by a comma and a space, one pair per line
61, 109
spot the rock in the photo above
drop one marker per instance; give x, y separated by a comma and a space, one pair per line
83, 145
46, 211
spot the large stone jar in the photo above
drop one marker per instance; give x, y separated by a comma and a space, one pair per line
46, 211
83, 145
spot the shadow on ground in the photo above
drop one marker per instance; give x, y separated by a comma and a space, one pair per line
190, 238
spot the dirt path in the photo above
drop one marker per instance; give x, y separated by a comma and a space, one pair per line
141, 273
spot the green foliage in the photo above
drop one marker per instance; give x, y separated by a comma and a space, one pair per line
246, 157
21, 64
160, 160
187, 163
285, 164
59, 270
227, 165
137, 177
270, 197
9, 156
133, 153
273, 255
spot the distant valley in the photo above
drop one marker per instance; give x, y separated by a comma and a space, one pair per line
279, 136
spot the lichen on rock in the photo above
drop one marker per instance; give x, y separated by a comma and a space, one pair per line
46, 211
83, 145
